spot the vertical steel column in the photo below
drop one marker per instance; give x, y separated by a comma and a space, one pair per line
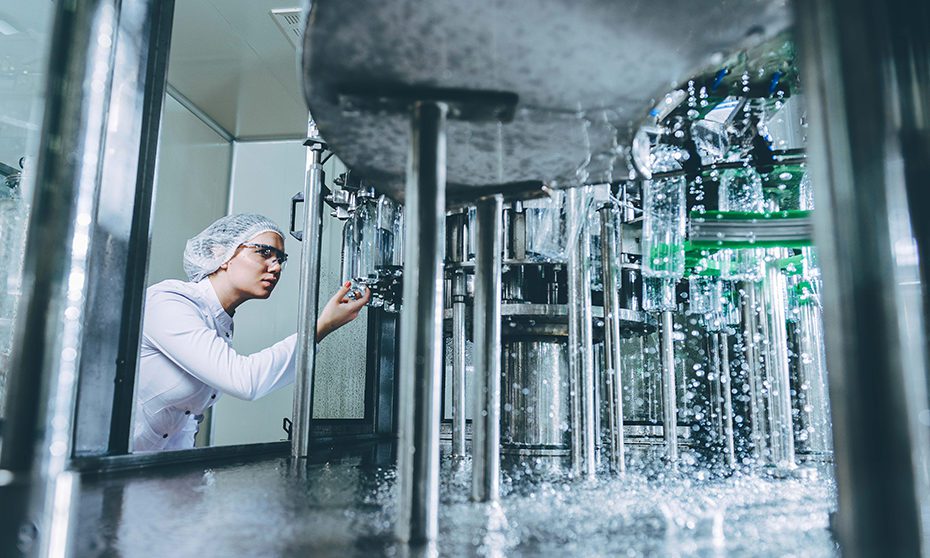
716, 389
610, 269
308, 300
669, 393
458, 362
486, 419
580, 338
575, 343
35, 517
726, 383
421, 326
587, 337
754, 373
867, 79
456, 256
781, 432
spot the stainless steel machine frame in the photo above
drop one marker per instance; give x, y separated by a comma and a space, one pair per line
669, 391
581, 338
459, 294
421, 327
726, 383
309, 300
486, 460
610, 254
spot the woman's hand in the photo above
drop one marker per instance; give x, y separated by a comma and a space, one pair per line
339, 311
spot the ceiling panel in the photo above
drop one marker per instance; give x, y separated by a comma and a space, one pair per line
231, 60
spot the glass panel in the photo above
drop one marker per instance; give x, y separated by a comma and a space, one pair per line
24, 33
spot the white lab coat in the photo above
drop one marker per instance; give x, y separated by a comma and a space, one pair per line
186, 361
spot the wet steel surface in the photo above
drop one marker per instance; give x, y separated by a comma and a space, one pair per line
345, 506
585, 73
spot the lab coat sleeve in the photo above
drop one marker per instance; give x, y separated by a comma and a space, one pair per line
175, 326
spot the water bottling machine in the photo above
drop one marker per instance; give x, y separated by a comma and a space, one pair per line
712, 340
717, 333
669, 318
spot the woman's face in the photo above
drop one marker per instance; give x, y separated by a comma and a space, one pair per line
254, 270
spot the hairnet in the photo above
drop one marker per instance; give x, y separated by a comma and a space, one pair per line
216, 244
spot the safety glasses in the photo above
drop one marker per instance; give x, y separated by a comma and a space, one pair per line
268, 253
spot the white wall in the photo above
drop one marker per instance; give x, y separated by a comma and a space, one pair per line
264, 177
191, 188
22, 83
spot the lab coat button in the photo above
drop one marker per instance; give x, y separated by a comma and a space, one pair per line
213, 396
187, 412
164, 436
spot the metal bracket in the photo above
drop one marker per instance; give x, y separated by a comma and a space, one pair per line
473, 105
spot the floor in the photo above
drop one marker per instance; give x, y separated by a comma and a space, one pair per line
343, 504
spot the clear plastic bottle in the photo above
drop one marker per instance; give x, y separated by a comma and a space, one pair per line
659, 294
386, 241
711, 140
741, 190
397, 231
705, 295
349, 251
545, 228
366, 240
731, 309
664, 223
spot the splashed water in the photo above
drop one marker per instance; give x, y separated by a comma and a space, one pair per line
347, 506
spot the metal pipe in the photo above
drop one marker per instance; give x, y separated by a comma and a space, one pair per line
308, 300
669, 395
456, 251
575, 341
580, 338
486, 421
458, 362
726, 383
716, 391
35, 517
533, 384
587, 337
421, 326
868, 85
612, 357
753, 372
781, 431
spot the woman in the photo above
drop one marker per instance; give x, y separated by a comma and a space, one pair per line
186, 359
